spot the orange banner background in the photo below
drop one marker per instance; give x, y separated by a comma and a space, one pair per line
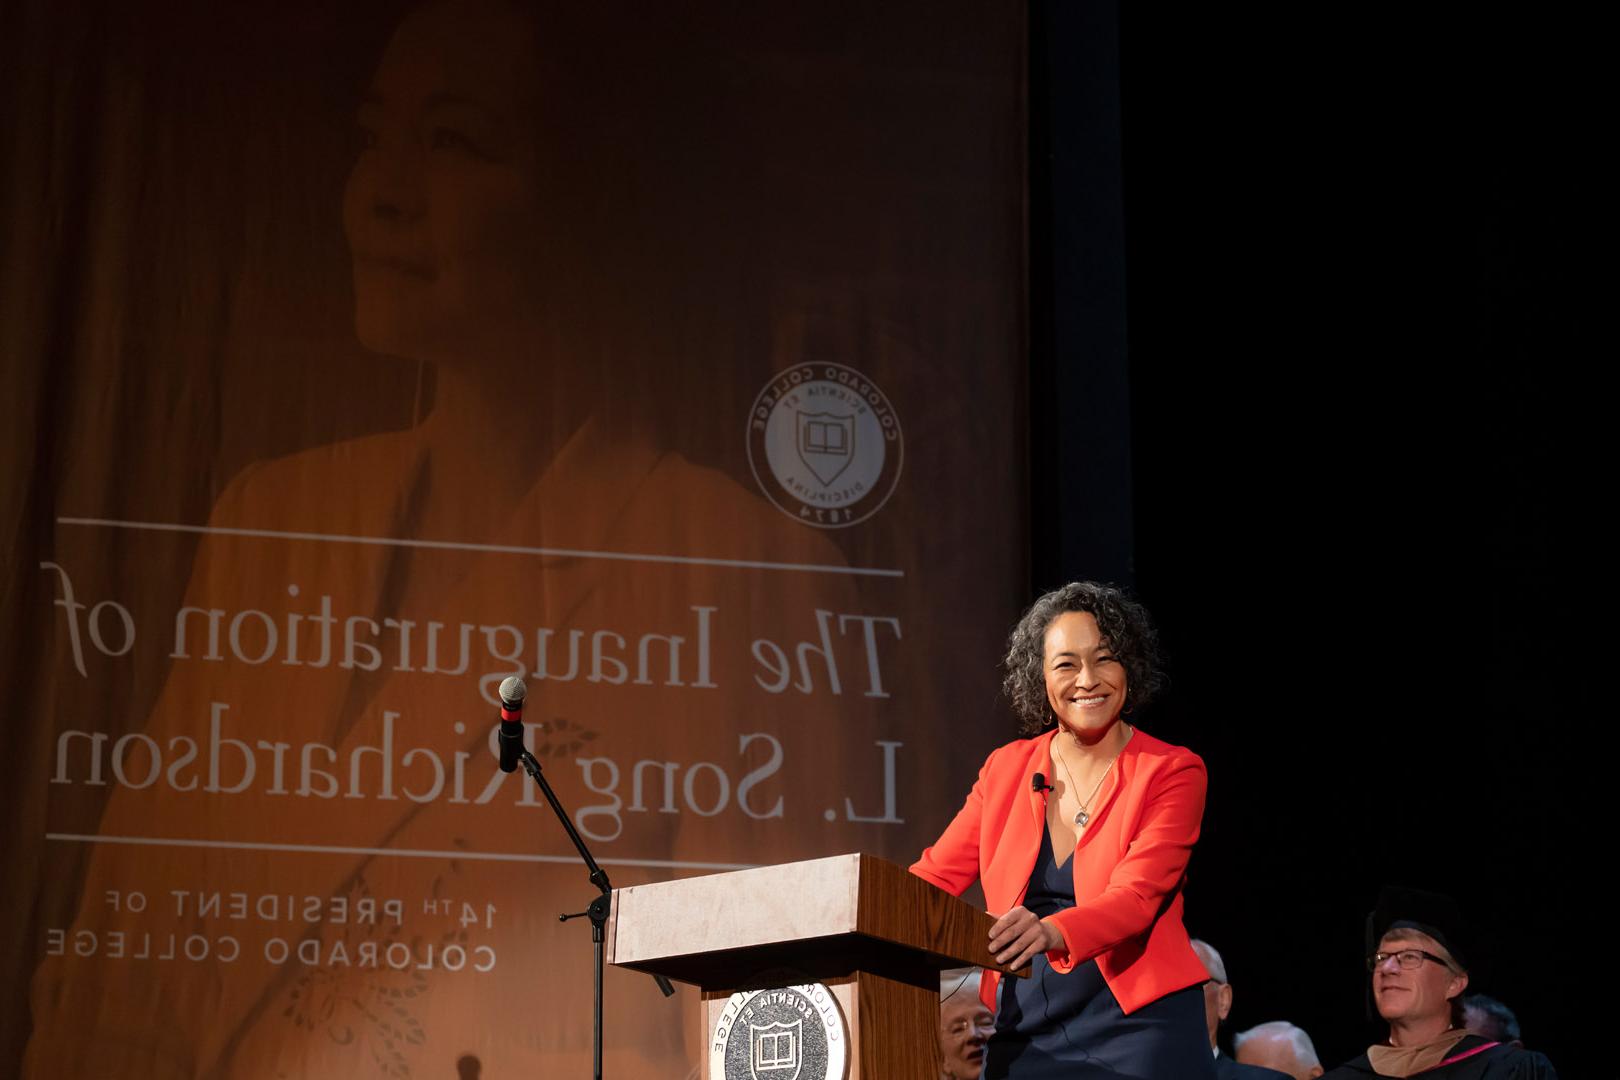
360, 357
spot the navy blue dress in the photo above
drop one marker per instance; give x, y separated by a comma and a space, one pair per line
1069, 1027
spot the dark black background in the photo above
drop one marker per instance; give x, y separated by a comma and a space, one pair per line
1305, 375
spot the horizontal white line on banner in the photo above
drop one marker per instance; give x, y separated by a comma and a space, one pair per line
504, 549
403, 853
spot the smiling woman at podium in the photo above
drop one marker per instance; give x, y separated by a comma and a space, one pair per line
1080, 834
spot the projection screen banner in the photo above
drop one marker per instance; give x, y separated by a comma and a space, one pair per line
359, 356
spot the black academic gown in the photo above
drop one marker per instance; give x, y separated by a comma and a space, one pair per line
1473, 1058
1227, 1069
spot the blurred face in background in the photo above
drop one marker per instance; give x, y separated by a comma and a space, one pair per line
1276, 1051
965, 1025
1217, 994
442, 206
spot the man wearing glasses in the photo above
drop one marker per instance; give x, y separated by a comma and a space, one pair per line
1418, 977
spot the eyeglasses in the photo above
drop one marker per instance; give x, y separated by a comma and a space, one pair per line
1408, 959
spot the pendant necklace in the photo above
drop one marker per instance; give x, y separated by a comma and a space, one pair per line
1082, 816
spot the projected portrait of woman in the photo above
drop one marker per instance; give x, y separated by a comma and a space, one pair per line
352, 606
471, 249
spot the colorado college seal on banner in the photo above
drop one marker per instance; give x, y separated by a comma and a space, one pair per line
787, 1033
825, 444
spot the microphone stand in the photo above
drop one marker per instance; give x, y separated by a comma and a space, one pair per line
597, 912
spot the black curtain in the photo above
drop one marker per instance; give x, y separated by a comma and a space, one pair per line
1305, 373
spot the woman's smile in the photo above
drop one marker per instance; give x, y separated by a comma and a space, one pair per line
1085, 684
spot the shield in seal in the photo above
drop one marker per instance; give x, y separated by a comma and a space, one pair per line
826, 443
775, 1050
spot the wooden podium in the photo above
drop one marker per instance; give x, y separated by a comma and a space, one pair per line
873, 934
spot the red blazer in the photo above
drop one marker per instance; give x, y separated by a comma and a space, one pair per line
1128, 866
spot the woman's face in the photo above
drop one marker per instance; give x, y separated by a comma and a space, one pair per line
442, 206
1085, 684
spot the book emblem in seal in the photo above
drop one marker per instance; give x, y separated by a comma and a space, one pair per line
785, 1033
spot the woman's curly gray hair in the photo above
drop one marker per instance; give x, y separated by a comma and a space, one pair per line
1124, 625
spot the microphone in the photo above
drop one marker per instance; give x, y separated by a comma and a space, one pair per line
1037, 783
512, 694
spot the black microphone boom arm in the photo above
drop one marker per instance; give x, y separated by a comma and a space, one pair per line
598, 910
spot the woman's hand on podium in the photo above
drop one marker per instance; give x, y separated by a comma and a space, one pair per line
1019, 936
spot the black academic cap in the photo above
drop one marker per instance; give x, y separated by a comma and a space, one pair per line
1432, 913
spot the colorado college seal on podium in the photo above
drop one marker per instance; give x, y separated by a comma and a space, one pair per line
787, 1033
825, 444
